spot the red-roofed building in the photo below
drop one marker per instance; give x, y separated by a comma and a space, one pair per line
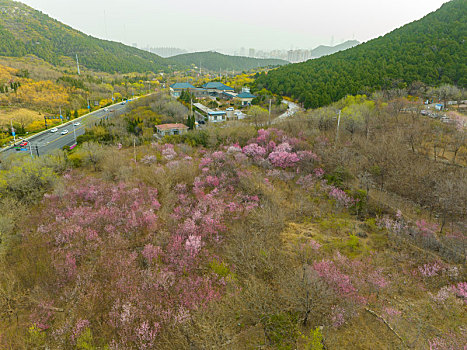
171, 129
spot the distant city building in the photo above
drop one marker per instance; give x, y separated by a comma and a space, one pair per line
300, 55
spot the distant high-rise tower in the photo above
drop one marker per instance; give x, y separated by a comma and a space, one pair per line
251, 53
242, 51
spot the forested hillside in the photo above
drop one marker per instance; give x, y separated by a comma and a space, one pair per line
214, 61
24, 30
432, 50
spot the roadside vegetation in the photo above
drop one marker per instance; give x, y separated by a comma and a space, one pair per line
31, 89
240, 237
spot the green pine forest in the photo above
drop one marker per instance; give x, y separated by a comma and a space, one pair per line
24, 31
432, 50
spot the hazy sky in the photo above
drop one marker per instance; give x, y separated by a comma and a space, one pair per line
224, 25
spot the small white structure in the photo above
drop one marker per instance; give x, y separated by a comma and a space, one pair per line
171, 129
217, 116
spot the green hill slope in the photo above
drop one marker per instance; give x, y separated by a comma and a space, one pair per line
24, 30
214, 61
432, 50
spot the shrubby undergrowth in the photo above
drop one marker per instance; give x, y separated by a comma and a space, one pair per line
246, 239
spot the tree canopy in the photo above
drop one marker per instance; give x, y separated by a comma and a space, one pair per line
431, 50
24, 31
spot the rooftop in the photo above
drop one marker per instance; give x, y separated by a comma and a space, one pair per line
217, 113
217, 85
171, 126
182, 86
246, 95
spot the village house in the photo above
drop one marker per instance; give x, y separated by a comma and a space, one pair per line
171, 129
245, 97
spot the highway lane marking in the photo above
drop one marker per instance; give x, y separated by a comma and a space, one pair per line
82, 126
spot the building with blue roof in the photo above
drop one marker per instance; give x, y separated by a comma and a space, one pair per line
245, 97
216, 85
177, 88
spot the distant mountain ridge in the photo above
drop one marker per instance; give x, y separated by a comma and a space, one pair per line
432, 50
24, 30
215, 61
324, 50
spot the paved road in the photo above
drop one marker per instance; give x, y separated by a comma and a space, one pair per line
45, 143
293, 108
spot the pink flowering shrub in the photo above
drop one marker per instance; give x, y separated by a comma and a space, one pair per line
342, 198
315, 245
254, 150
430, 270
283, 147
341, 282
318, 172
337, 316
205, 162
427, 228
352, 280
460, 290
391, 312
283, 159
308, 156
104, 243
80, 326
449, 341
168, 152
306, 182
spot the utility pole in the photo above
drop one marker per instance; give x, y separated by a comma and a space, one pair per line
134, 148
30, 150
338, 124
269, 118
74, 132
77, 64
13, 131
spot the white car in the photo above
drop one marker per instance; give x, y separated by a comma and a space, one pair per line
106, 109
53, 130
64, 132
230, 109
77, 124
